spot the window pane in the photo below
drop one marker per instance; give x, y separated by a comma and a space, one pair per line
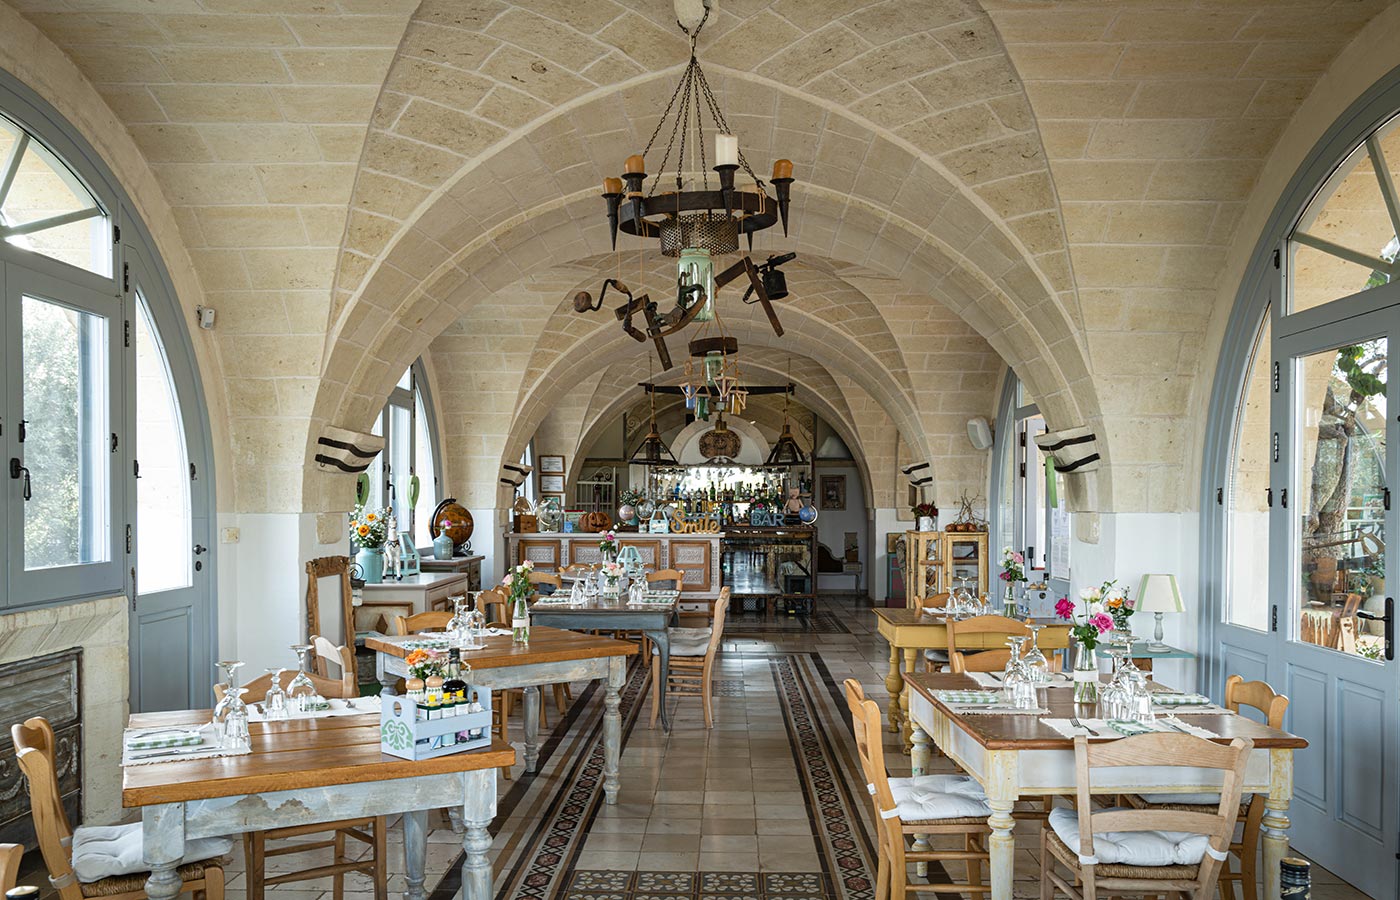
1350, 213
163, 535
376, 470
400, 460
1341, 477
1247, 512
423, 468
45, 190
65, 376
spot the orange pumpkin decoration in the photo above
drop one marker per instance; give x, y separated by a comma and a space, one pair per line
596, 521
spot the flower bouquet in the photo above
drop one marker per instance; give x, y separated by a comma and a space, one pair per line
369, 527
1114, 601
518, 587
608, 545
1013, 571
612, 574
423, 664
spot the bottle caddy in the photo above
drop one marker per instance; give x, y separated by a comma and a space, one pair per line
450, 717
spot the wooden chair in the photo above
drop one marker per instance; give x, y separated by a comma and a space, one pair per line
543, 579
1087, 875
935, 659
895, 820
494, 605
691, 663
1259, 696
34, 749
991, 660
675, 577
343, 658
10, 856
369, 830
419, 622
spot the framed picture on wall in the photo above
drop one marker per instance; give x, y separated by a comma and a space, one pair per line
833, 491
551, 465
551, 484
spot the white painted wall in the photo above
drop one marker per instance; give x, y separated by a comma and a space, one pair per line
886, 521
1130, 545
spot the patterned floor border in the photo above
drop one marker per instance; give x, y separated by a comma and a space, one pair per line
542, 864
819, 622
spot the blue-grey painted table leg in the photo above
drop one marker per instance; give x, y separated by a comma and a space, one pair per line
612, 726
662, 640
532, 728
165, 827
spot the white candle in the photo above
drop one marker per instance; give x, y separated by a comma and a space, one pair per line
726, 150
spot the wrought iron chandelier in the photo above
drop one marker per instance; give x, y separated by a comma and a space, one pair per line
698, 223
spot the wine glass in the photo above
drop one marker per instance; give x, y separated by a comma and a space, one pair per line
235, 734
230, 668
1017, 686
476, 624
1116, 702
275, 703
301, 687
1034, 660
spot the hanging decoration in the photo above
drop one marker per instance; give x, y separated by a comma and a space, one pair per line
695, 224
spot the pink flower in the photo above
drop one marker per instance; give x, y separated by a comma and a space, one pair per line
1064, 608
1102, 621
1005, 576
1018, 558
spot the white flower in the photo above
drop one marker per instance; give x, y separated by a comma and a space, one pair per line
528, 564
1089, 594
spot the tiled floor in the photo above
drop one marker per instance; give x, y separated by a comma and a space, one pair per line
696, 804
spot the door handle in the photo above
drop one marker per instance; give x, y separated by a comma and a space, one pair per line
199, 549
1389, 620
17, 470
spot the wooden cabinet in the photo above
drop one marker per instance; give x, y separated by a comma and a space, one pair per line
694, 560
935, 562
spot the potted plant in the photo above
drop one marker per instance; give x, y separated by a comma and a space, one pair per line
1013, 572
518, 587
926, 514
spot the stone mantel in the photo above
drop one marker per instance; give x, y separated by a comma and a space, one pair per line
99, 627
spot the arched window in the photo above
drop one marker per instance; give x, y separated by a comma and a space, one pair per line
409, 429
104, 427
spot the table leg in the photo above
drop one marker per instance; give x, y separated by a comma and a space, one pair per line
163, 838
415, 852
911, 655
1002, 792
920, 757
386, 679
662, 639
1275, 823
532, 728
894, 683
478, 809
612, 723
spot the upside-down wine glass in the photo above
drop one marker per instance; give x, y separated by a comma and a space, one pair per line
275, 702
230, 668
301, 688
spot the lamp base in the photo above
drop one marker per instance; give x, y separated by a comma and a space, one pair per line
1157, 644
1157, 647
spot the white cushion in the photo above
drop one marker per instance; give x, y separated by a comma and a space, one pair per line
1191, 799
687, 642
926, 797
939, 656
102, 851
1132, 848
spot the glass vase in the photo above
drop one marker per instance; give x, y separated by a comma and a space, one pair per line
1086, 674
520, 622
1009, 607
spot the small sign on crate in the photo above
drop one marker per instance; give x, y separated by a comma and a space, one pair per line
414, 730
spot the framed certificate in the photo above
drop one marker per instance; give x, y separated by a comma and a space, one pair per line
551, 465
551, 484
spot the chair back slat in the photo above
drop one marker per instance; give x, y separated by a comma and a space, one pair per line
343, 658
675, 577
34, 750
1257, 695
990, 660
935, 601
1162, 750
550, 578
424, 621
717, 623
257, 688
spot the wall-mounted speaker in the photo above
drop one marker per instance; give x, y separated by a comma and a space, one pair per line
979, 432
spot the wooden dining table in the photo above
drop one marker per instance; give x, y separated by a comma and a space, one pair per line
1016, 756
303, 772
909, 632
616, 614
552, 656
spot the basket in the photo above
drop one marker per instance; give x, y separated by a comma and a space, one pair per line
410, 730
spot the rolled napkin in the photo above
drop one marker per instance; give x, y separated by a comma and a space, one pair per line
207, 747
1173, 698
161, 738
968, 698
1119, 728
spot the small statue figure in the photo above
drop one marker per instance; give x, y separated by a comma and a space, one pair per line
794, 504
393, 549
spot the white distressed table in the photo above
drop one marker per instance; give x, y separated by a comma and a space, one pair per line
1015, 757
553, 656
307, 771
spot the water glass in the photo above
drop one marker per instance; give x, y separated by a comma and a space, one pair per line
1034, 660
235, 731
275, 703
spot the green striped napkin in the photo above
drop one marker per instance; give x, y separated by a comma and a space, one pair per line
1130, 727
964, 698
1166, 698
161, 739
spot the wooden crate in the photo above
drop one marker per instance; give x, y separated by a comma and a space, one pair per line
403, 733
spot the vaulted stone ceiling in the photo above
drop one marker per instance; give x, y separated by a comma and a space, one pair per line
350, 178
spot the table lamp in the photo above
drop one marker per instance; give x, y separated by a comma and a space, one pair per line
1158, 594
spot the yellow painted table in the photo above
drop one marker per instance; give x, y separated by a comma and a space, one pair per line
910, 632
